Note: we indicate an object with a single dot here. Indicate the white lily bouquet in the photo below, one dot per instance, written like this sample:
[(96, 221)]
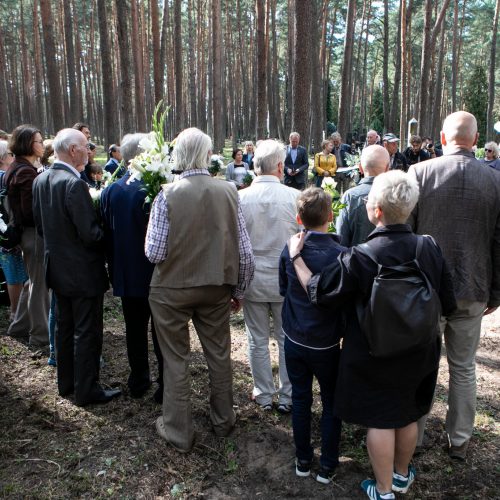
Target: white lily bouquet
[(153, 166)]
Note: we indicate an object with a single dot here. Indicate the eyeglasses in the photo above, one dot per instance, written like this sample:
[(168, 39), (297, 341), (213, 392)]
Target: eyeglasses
[(489, 150), (365, 200), (11, 153)]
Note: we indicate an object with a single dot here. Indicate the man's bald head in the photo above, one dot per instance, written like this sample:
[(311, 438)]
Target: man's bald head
[(374, 160), (460, 129), (70, 146)]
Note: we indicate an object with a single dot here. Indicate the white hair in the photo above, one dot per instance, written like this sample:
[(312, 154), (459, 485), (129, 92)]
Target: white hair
[(130, 146), (66, 138), (192, 149), (294, 134), (396, 193), (4, 147), (489, 145), (268, 155)]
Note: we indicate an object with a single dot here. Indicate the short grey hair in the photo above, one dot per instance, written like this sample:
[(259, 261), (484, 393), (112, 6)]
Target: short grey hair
[(66, 138), (130, 146), (396, 193), (192, 149), (268, 155), (336, 136), (489, 145), (294, 134), (4, 147), (375, 159)]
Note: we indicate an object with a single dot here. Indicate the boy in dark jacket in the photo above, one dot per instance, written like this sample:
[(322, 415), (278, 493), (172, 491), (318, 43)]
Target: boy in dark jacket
[(312, 337)]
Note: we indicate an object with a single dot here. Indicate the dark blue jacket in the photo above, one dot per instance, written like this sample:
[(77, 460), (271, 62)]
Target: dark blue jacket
[(125, 220), (301, 165), (344, 148), (306, 324), (112, 165)]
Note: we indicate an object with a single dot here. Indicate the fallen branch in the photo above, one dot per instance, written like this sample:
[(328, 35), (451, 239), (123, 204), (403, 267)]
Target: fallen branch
[(39, 460)]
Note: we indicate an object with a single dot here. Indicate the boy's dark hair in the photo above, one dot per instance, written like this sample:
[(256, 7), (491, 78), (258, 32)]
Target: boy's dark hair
[(313, 207), (21, 140), (80, 126)]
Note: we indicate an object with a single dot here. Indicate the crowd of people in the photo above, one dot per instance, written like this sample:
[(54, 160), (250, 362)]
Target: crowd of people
[(205, 248)]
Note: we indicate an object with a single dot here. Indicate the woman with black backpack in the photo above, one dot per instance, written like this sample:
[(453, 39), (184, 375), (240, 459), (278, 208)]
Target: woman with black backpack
[(382, 388)]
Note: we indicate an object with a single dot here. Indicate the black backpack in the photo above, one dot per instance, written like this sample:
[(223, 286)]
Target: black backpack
[(11, 237), (403, 311)]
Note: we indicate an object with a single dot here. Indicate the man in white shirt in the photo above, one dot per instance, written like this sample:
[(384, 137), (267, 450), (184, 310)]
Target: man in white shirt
[(269, 209)]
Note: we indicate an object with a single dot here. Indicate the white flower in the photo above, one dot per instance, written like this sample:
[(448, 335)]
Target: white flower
[(148, 142), (329, 182), (135, 176), (3, 226), (165, 150), (95, 194)]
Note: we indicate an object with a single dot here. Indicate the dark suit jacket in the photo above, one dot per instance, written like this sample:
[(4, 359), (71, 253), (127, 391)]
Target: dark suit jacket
[(301, 165), (344, 148), (459, 205), (125, 223), (66, 219)]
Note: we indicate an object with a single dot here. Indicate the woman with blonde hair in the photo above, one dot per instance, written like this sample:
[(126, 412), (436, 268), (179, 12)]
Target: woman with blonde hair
[(325, 163)]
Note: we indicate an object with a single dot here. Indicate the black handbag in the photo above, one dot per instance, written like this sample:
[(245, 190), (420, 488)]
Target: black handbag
[(403, 310)]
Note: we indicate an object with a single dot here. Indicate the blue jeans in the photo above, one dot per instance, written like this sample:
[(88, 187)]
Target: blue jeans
[(52, 323), (302, 365)]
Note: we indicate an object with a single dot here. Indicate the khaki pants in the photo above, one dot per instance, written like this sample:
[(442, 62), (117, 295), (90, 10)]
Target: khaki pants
[(36, 322), (258, 333), (461, 332), (208, 307)]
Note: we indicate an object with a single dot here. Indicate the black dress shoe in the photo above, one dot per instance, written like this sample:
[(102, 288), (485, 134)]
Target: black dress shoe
[(103, 397)]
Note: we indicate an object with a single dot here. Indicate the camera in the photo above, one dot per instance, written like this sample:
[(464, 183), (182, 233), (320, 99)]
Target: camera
[(430, 145)]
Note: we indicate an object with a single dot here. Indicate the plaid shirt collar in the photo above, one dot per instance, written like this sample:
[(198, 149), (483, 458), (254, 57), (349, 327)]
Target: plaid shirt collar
[(194, 171)]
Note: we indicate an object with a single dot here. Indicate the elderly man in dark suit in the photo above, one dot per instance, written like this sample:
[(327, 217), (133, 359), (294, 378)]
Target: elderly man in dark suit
[(74, 268), (296, 163), (125, 218), (459, 205)]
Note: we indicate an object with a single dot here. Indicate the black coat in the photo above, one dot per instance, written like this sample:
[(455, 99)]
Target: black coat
[(374, 392), (66, 219), (301, 166)]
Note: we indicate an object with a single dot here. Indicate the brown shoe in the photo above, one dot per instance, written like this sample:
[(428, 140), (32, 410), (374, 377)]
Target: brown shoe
[(458, 452), (160, 429)]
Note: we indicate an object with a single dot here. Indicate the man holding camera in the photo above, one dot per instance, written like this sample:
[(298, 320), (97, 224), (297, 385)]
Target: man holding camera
[(415, 153)]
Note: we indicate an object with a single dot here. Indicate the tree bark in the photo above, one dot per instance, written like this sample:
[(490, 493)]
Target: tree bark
[(490, 133), (385, 67), (109, 110), (303, 14), (260, 131), (345, 92), (74, 107), (217, 76), (179, 104), (54, 82)]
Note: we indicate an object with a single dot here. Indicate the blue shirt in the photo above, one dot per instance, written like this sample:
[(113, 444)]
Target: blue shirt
[(308, 325)]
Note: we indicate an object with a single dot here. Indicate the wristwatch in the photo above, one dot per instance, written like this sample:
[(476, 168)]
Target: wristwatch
[(295, 257)]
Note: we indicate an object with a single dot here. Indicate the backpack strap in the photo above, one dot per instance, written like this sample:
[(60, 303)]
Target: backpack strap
[(420, 242)]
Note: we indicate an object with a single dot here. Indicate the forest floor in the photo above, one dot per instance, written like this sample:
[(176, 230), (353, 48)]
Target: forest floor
[(50, 448)]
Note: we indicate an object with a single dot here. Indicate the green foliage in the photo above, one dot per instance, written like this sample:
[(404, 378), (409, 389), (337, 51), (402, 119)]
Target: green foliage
[(337, 206), (376, 118), (476, 99)]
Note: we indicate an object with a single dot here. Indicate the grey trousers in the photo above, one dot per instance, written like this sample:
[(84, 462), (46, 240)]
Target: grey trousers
[(209, 308), (257, 322), (461, 332), (32, 315)]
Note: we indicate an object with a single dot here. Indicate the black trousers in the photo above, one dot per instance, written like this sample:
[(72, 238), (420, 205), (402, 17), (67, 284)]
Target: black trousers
[(78, 346), (137, 313), (291, 181)]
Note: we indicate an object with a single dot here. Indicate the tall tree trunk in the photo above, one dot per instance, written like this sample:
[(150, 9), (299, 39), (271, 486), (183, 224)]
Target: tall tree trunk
[(74, 108), (317, 104), (491, 79), (393, 119), (435, 119), (345, 92), (261, 103), (217, 76), (304, 13), (192, 67), (428, 44), (140, 111), (55, 91), (454, 60), (4, 110), (289, 79), (109, 109), (123, 14), (26, 72), (362, 118), (385, 68), (158, 70), (179, 105)]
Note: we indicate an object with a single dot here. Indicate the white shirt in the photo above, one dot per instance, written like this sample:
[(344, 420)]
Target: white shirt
[(269, 210)]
